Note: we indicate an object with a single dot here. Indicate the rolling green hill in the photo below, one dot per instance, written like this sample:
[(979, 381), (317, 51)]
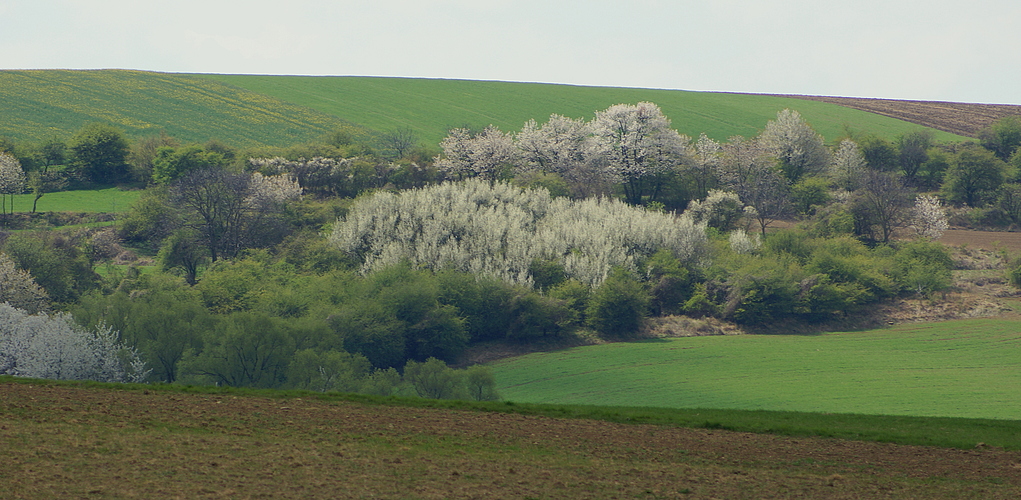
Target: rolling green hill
[(431, 107), (965, 368), (38, 105), (245, 110)]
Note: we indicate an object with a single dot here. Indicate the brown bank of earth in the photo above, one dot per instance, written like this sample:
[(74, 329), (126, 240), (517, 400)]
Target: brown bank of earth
[(66, 442)]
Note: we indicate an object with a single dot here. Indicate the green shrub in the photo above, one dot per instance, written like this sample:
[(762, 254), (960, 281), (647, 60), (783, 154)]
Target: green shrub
[(618, 306)]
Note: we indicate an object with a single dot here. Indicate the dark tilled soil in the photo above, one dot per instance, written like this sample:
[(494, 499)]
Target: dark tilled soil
[(954, 117), (60, 442)]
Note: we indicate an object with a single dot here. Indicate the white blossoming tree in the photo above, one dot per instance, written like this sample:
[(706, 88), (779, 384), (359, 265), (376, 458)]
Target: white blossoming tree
[(635, 144), (557, 146), (800, 150), (929, 217), (707, 160), (500, 230), (19, 289), (748, 169), (848, 166), (12, 179), (485, 154), (54, 347)]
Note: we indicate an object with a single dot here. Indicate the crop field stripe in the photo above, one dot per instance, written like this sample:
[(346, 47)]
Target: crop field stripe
[(969, 368), (39, 105), (432, 106)]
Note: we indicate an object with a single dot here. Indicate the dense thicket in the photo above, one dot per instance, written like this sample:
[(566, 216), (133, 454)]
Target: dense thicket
[(496, 229), (337, 266)]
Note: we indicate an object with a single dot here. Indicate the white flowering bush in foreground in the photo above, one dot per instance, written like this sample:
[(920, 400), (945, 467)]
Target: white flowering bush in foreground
[(54, 347), (497, 229)]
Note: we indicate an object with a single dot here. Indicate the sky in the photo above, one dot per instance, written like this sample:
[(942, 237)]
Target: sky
[(936, 50)]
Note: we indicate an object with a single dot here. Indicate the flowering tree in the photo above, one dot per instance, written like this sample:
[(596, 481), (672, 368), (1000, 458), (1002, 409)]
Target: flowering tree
[(635, 144), (928, 217), (706, 168), (12, 179), (500, 230), (848, 166), (19, 289), (720, 209), (485, 154), (799, 149), (748, 169), (54, 347), (557, 146)]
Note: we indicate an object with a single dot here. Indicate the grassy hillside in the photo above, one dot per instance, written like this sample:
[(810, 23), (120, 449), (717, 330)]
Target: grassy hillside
[(966, 368), (246, 110), (431, 107), (38, 105)]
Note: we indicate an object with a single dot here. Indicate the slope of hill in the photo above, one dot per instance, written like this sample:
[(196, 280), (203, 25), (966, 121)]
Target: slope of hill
[(38, 105), (963, 368), (249, 110), (953, 117), (431, 107)]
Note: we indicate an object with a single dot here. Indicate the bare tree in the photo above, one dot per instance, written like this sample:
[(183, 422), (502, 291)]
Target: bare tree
[(400, 141), (879, 207), (231, 211)]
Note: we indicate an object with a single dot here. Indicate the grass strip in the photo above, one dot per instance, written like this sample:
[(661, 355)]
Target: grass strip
[(944, 432)]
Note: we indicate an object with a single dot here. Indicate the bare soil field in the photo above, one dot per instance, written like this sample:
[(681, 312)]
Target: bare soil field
[(66, 442), (986, 240), (954, 117)]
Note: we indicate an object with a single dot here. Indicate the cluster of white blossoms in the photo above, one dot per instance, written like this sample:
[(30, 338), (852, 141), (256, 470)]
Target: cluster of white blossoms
[(496, 229), (19, 289), (54, 347), (742, 242), (929, 217), (624, 143), (275, 188)]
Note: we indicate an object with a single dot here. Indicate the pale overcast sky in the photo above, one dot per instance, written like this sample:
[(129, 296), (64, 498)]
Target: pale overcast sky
[(927, 49)]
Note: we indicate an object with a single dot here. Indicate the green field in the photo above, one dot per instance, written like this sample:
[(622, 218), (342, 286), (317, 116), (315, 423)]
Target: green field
[(243, 110), (965, 368), (109, 200), (431, 106), (43, 104)]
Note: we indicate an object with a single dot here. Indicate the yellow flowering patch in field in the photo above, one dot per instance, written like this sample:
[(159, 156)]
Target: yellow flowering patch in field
[(41, 104)]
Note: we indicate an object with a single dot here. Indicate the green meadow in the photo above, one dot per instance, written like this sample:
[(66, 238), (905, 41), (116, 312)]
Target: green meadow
[(44, 104), (963, 368), (108, 200), (430, 107), (252, 111)]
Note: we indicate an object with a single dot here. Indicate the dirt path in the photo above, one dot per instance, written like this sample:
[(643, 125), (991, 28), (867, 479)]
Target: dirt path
[(58, 442)]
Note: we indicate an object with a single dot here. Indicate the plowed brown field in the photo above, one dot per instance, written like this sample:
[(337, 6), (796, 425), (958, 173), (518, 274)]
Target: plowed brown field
[(986, 240), (64, 442), (954, 117)]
